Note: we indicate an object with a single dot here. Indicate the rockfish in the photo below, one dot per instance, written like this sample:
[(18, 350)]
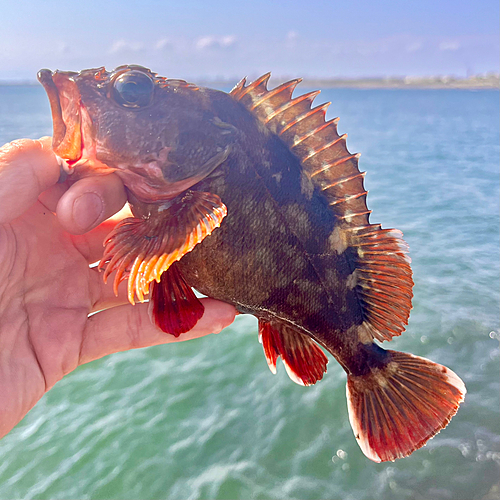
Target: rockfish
[(252, 198)]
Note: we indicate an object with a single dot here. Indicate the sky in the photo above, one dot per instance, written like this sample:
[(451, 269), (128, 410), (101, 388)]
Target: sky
[(222, 39)]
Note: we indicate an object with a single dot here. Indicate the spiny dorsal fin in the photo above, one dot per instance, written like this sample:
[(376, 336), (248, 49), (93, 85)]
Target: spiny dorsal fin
[(383, 273)]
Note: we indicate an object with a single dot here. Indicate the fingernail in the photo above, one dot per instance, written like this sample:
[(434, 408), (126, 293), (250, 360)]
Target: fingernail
[(87, 209)]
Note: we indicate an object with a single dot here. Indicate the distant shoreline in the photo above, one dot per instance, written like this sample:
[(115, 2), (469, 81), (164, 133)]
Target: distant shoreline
[(438, 82), (476, 82)]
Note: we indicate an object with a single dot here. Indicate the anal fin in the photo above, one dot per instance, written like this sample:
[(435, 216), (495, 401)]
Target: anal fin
[(304, 360), (173, 306)]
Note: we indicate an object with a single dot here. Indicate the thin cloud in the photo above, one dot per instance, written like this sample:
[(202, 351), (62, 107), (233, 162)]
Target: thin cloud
[(414, 47), (120, 46), (164, 43), (449, 45), (291, 39), (215, 42)]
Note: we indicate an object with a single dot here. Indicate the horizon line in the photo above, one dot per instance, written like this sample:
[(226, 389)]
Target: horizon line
[(490, 79)]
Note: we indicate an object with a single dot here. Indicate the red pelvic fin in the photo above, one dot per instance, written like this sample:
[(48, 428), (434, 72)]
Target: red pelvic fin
[(173, 306), (395, 410), (142, 249), (304, 360)]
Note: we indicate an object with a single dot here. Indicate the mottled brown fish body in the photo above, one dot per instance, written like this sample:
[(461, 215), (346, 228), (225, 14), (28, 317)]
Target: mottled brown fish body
[(295, 246), (273, 257)]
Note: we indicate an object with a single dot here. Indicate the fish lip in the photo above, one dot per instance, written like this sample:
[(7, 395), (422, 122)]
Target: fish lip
[(59, 128), (65, 101)]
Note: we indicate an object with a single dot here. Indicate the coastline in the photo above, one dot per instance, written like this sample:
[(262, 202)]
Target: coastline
[(474, 82), (490, 81)]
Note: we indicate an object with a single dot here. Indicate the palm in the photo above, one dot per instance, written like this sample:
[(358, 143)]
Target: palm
[(47, 290)]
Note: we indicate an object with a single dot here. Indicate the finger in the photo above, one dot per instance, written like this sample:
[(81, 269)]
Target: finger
[(103, 295), (89, 202), (129, 327), (27, 168), (91, 244)]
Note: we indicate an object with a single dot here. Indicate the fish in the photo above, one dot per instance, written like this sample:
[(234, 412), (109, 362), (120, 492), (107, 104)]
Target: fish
[(252, 197)]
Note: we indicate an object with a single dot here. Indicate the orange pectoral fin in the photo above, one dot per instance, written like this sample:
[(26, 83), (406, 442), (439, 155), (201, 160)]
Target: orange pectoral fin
[(173, 306), (143, 249), (304, 360)]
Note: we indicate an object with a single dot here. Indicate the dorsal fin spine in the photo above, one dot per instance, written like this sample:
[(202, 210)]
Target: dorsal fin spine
[(309, 96), (345, 179), (335, 163), (238, 88), (359, 214), (325, 146), (358, 228), (394, 232), (348, 198), (271, 93), (260, 81), (318, 109)]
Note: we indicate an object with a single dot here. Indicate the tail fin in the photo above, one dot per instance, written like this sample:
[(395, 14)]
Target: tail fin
[(396, 409)]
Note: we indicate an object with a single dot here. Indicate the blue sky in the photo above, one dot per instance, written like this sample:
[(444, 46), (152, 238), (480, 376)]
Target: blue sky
[(230, 39)]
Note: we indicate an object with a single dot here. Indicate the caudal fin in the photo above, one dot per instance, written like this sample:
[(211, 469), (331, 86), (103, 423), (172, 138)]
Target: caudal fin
[(396, 409)]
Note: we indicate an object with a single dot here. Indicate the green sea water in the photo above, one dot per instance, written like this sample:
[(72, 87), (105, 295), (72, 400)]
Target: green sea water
[(207, 420)]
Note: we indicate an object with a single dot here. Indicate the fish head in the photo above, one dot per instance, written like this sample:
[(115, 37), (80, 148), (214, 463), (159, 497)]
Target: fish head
[(159, 135)]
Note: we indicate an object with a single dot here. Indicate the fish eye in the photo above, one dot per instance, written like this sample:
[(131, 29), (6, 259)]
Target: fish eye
[(133, 89)]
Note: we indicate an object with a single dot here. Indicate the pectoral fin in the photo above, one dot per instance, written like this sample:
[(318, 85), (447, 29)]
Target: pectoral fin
[(142, 249)]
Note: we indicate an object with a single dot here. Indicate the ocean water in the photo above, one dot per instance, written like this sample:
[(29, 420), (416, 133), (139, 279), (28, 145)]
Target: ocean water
[(207, 420)]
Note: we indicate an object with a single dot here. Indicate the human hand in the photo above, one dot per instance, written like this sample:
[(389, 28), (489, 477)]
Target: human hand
[(49, 234)]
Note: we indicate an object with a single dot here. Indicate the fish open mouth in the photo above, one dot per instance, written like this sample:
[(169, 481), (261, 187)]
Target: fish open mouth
[(65, 104)]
